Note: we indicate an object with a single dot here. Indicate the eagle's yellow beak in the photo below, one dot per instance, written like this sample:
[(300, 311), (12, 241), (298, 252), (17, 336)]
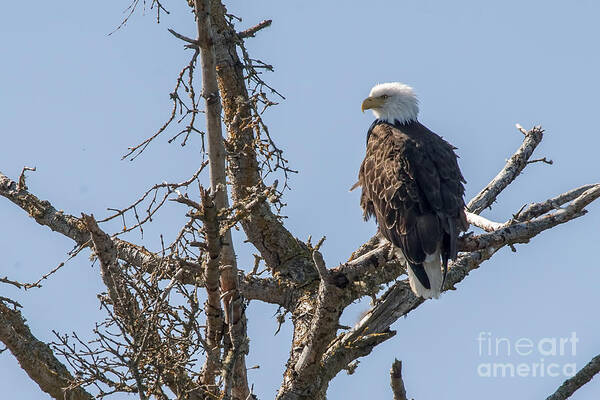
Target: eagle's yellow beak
[(371, 102)]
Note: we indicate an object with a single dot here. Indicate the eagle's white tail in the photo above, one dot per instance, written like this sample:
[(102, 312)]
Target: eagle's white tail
[(433, 269)]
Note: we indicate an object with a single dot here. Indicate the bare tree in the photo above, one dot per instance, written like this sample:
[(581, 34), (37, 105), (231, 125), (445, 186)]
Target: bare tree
[(156, 328)]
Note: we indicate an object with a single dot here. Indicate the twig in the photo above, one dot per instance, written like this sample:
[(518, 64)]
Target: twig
[(178, 103), (19, 285), (184, 38), (21, 185), (155, 203), (45, 214), (15, 303), (544, 160), (36, 284), (521, 129), (250, 32)]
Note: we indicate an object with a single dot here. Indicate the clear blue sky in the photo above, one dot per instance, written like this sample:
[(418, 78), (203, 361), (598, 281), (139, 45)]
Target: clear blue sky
[(73, 99)]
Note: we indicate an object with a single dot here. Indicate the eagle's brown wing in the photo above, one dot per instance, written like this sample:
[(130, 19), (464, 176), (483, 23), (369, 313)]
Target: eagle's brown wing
[(412, 184)]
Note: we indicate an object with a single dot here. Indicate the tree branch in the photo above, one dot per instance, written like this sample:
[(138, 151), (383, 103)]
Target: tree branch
[(72, 227), (268, 290), (250, 32), (281, 251), (122, 300), (511, 170), (522, 232), (212, 307), (396, 381), (483, 223), (37, 359), (537, 209), (265, 289), (234, 312), (323, 326), (399, 300), (583, 376)]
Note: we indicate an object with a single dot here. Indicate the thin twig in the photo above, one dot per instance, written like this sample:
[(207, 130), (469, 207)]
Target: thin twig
[(184, 38), (21, 185)]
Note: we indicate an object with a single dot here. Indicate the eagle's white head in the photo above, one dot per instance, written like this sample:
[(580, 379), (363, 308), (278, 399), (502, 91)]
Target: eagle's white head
[(392, 101)]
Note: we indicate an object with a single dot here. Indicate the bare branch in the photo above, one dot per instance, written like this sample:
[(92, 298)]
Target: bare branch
[(43, 212), (483, 223), (268, 290), (156, 202), (250, 32), (18, 285), (212, 308), (22, 184), (303, 373), (122, 300), (326, 317), (511, 170), (74, 228), (583, 376), (524, 231), (543, 160), (179, 106), (184, 38), (396, 381), (36, 358), (14, 303), (537, 209), (232, 301), (399, 300), (278, 247)]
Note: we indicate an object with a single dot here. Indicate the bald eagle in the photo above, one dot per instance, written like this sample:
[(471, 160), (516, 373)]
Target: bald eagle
[(413, 186)]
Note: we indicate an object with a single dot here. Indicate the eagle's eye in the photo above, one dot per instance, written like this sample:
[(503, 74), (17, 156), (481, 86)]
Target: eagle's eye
[(384, 96)]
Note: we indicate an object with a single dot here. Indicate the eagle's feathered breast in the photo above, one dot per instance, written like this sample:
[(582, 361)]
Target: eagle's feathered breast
[(413, 186)]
